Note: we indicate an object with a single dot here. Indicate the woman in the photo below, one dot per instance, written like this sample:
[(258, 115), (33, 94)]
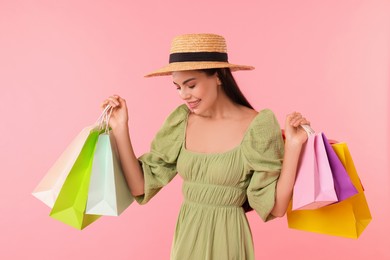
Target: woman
[(226, 152)]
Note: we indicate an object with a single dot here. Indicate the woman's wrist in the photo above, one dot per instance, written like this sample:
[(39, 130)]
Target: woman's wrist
[(120, 129), (293, 144)]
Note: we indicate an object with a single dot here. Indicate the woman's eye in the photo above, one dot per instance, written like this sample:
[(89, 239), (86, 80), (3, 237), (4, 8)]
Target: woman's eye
[(191, 87)]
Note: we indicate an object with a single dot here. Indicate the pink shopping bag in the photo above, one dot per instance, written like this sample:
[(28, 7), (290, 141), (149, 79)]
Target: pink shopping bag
[(314, 186)]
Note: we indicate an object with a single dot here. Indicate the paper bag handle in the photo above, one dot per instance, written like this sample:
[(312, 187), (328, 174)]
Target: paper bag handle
[(308, 129), (103, 121)]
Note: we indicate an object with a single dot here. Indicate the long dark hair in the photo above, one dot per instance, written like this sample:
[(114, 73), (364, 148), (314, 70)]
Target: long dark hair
[(230, 86)]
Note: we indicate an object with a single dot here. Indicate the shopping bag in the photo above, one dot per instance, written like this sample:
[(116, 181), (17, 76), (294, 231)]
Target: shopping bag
[(70, 205), (342, 183), (108, 193), (347, 218), (48, 188), (314, 186)]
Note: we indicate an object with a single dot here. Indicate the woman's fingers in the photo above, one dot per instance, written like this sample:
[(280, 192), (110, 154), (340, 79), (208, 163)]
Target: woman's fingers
[(122, 101), (296, 119), (292, 130), (300, 121), (293, 118), (113, 101)]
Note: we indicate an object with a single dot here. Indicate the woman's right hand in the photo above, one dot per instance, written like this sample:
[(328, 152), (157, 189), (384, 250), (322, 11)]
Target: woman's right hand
[(119, 116)]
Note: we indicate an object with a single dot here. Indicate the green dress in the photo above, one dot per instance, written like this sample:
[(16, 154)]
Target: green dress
[(212, 224)]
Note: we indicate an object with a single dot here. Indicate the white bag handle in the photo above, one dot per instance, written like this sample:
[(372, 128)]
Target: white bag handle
[(104, 119), (308, 129)]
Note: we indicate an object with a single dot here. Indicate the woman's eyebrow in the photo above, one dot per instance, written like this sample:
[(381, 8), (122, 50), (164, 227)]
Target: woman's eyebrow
[(184, 82)]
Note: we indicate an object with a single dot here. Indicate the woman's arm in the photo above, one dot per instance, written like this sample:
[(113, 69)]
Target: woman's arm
[(130, 164), (295, 138)]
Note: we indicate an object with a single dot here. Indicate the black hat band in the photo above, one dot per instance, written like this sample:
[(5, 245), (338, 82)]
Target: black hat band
[(198, 56)]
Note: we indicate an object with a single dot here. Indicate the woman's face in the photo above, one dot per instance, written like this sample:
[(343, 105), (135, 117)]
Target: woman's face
[(197, 89)]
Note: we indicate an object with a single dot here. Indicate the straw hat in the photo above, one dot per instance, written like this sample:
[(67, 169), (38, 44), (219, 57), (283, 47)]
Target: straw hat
[(197, 51)]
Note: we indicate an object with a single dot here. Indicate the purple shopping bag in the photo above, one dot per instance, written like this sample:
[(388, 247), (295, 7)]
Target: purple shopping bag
[(342, 183)]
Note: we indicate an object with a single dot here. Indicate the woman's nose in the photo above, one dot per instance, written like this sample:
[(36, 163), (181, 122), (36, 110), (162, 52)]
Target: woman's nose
[(184, 94)]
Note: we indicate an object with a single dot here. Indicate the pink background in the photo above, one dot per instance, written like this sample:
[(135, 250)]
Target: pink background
[(60, 59)]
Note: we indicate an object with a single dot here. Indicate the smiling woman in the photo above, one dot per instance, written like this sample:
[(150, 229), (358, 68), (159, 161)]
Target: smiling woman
[(212, 127), (226, 152)]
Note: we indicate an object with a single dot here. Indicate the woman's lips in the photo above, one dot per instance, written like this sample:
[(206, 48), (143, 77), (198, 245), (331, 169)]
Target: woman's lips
[(193, 104)]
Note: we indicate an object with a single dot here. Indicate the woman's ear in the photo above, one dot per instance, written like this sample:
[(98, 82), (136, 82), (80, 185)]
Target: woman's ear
[(218, 81)]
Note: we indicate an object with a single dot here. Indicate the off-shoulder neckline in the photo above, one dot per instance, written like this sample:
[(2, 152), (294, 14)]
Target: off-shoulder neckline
[(249, 127)]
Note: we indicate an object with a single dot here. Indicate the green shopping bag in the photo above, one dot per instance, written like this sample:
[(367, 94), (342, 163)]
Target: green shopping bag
[(71, 202)]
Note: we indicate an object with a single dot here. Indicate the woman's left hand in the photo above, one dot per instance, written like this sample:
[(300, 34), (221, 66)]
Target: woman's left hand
[(293, 132)]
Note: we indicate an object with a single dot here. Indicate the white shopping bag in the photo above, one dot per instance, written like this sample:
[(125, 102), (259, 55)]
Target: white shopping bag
[(49, 187), (108, 194)]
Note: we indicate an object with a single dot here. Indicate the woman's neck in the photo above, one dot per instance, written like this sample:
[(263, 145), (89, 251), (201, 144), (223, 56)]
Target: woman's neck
[(222, 108)]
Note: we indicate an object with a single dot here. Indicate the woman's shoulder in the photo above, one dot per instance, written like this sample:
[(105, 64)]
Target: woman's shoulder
[(263, 135), (265, 116), (173, 126), (263, 124), (248, 112), (177, 116)]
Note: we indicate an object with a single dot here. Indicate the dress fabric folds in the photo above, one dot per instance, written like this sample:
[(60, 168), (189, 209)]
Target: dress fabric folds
[(211, 223)]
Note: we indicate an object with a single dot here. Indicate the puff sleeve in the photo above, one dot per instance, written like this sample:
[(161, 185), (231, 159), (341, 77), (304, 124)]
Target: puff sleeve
[(159, 165), (263, 150)]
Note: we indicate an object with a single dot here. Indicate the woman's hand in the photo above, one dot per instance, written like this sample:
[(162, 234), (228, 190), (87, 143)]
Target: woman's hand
[(119, 116), (293, 132)]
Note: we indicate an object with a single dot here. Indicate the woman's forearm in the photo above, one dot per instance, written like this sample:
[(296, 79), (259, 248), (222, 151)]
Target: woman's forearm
[(286, 180), (130, 164)]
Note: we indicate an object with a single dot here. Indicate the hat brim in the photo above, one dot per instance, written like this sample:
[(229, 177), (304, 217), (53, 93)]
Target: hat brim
[(183, 66)]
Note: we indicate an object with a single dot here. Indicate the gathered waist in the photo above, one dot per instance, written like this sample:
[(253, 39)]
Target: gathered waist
[(206, 194)]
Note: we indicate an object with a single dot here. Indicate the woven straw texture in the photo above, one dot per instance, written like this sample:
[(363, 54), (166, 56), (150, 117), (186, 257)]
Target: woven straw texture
[(204, 42)]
